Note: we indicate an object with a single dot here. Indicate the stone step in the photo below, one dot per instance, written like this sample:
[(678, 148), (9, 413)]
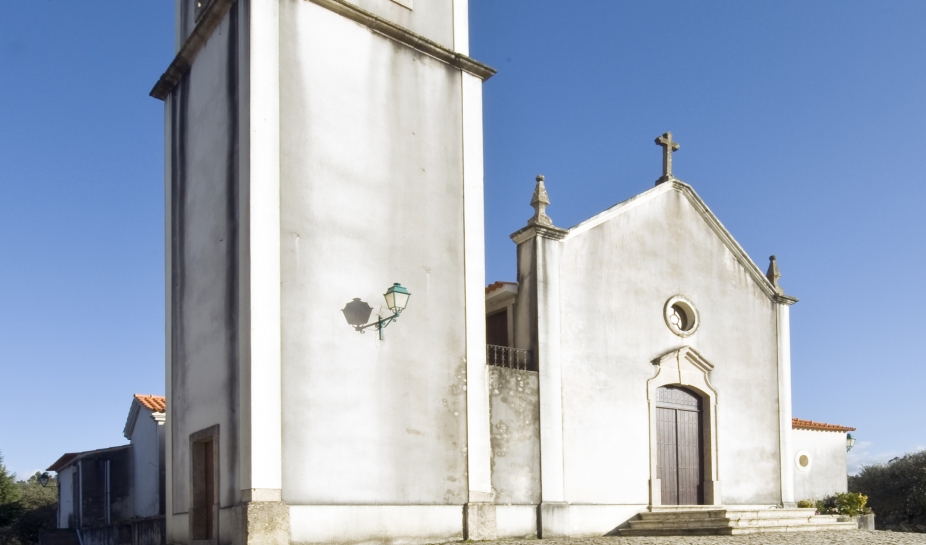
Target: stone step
[(688, 508), (719, 520), (831, 527), (725, 523), (718, 531), (716, 513)]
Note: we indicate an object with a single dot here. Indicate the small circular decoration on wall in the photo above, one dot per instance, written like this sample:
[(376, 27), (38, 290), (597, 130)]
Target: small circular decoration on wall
[(803, 461), (681, 316)]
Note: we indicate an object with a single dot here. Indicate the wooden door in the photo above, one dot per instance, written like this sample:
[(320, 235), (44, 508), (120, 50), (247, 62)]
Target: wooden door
[(679, 456)]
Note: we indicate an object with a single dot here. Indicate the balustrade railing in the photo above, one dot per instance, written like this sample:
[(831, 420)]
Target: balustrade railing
[(509, 358)]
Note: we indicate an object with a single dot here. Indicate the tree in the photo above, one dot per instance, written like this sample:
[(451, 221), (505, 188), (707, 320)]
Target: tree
[(39, 510), (26, 507), (9, 496), (896, 492)]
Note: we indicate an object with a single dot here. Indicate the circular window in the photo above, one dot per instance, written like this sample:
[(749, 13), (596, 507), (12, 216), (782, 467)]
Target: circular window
[(803, 461), (681, 316)]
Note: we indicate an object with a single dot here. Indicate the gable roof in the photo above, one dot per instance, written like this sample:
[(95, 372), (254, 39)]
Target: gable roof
[(712, 221), (798, 424), (72, 458), (152, 402), (154, 405)]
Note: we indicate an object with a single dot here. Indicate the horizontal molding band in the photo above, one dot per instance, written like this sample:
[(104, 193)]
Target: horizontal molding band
[(406, 37), (217, 9)]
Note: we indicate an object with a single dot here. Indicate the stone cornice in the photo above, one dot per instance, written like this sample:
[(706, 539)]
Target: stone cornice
[(209, 19), (531, 231), (783, 299), (406, 37), (215, 11)]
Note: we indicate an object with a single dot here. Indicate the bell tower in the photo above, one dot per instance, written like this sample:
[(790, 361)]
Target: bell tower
[(317, 152)]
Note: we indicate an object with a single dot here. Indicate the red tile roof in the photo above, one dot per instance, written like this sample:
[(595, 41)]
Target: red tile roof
[(799, 424), (154, 403), (492, 287)]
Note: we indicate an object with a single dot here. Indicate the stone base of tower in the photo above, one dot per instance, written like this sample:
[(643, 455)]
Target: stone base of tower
[(262, 523), (479, 522)]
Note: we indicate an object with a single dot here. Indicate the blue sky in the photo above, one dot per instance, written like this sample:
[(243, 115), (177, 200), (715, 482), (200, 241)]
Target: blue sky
[(800, 125)]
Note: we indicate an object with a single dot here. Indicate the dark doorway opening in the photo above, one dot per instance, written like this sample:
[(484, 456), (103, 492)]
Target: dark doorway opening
[(204, 466), (679, 456)]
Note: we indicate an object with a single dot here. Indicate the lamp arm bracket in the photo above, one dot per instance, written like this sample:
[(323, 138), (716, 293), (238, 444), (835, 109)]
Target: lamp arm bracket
[(379, 324)]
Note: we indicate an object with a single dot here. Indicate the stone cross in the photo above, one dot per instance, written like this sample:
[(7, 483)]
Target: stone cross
[(540, 201), (668, 147)]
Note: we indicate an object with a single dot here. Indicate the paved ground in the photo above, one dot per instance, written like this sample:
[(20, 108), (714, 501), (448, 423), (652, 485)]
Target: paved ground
[(796, 538)]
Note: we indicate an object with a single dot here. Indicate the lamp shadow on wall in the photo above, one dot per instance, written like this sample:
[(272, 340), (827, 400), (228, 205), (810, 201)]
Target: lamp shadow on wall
[(357, 313)]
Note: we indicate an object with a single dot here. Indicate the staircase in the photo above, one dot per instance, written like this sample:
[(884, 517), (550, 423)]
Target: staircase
[(716, 520)]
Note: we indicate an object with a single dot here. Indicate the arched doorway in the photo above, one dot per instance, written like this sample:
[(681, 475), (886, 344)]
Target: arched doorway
[(680, 454)]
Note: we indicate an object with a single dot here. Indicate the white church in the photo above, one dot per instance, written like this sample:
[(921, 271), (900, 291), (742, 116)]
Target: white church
[(322, 152)]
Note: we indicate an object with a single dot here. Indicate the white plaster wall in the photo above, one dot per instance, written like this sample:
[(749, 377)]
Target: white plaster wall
[(519, 521), (515, 418), (66, 496), (204, 233), (827, 472), (615, 279), (375, 523), (371, 194), (146, 465), (432, 19)]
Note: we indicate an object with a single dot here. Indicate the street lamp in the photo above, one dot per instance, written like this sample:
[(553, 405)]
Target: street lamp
[(358, 312), (850, 442), (43, 479)]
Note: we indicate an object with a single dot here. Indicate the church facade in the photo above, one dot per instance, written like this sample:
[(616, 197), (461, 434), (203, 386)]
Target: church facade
[(321, 152), (659, 354)]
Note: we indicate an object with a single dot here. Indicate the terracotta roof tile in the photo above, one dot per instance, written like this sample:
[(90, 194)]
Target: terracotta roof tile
[(496, 285), (799, 424), (154, 403)]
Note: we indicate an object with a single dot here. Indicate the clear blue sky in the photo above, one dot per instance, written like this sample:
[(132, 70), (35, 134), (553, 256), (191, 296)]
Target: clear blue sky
[(800, 125)]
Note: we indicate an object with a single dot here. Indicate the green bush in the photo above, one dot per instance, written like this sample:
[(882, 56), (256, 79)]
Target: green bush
[(826, 506), (847, 503), (896, 492), (851, 503)]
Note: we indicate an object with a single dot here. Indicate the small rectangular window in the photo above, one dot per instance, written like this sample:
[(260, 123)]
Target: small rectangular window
[(497, 328)]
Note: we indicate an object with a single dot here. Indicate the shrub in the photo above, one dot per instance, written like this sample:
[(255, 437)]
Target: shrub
[(851, 503), (896, 491), (847, 503), (826, 506)]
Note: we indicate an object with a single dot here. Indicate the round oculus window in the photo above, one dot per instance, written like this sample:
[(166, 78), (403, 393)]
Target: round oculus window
[(803, 461), (681, 316)]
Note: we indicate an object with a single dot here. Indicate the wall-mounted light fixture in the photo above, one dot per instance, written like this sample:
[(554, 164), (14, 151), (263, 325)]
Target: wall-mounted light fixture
[(43, 479), (358, 312), (850, 442)]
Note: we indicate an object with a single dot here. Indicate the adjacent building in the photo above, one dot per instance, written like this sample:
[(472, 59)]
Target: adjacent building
[(820, 458), (110, 495)]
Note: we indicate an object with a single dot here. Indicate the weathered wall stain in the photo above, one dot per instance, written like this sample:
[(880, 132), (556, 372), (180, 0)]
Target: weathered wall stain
[(514, 405)]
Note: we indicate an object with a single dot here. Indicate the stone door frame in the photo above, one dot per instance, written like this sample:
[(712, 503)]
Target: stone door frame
[(686, 368)]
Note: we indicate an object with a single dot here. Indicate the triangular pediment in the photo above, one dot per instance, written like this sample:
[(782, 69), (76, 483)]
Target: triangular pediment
[(709, 218)]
